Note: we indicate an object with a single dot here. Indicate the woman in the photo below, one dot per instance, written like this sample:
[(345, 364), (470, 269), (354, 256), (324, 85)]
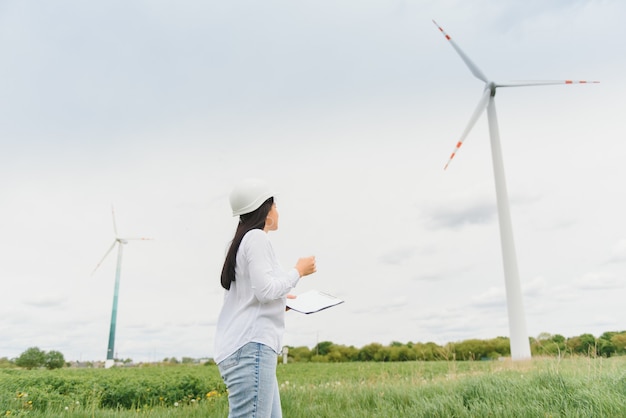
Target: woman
[(252, 321)]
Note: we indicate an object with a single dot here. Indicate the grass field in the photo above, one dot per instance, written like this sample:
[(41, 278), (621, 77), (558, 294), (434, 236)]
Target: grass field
[(573, 387)]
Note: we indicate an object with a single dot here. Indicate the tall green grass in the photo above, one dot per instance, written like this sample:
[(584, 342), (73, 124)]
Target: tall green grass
[(576, 387), (539, 388)]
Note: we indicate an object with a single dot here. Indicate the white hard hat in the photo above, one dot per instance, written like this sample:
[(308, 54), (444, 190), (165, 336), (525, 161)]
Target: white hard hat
[(248, 195)]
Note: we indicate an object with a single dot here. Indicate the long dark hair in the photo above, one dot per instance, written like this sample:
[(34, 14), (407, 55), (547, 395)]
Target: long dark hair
[(247, 222)]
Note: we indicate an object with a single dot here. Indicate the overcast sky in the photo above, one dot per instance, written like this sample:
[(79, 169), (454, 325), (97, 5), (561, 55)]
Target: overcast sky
[(350, 110)]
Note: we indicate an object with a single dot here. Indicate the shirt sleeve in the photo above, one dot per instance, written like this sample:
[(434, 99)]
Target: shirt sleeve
[(269, 281)]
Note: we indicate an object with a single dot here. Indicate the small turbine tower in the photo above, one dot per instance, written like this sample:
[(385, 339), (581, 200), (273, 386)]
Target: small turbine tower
[(120, 242), (520, 346)]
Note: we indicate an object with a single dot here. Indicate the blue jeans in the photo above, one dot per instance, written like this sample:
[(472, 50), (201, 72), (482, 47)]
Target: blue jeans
[(250, 376)]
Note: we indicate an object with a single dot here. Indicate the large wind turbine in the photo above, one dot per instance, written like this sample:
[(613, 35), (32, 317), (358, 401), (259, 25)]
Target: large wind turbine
[(120, 242), (520, 345)]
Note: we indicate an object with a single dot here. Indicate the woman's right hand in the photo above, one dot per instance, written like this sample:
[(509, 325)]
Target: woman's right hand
[(306, 266)]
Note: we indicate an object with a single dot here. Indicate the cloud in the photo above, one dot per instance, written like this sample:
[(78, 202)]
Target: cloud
[(599, 281), (429, 277), (395, 304), (45, 301), (477, 214), (484, 211), (564, 293), (494, 297), (475, 205), (604, 321), (398, 256), (618, 253), (535, 287)]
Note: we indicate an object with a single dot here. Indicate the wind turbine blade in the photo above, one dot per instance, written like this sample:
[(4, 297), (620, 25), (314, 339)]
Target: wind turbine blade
[(105, 256), (137, 239), (482, 104), (523, 83), (473, 68), (114, 223)]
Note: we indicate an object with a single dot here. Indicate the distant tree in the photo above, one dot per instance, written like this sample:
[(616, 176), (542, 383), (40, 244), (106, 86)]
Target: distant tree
[(573, 344), (607, 335), (368, 352), (54, 360), (447, 352), (544, 336), (588, 344), (384, 354), (31, 358), (5, 363), (188, 360), (350, 353), (300, 354), (334, 355), (319, 359), (606, 348), (341, 353), (426, 352), (498, 347), (322, 348), (584, 344), (619, 342), (401, 353), (470, 349), (547, 344)]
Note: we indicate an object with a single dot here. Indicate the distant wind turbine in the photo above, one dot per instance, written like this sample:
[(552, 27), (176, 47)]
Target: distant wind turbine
[(119, 241), (520, 345)]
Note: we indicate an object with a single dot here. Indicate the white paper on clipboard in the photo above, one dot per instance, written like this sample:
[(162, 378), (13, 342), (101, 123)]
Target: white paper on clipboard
[(313, 301)]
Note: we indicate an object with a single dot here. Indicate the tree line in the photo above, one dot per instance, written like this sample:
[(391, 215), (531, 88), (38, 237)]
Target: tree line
[(34, 358), (608, 344)]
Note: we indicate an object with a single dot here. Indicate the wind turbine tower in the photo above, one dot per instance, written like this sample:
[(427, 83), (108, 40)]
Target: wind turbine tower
[(520, 345), (120, 242)]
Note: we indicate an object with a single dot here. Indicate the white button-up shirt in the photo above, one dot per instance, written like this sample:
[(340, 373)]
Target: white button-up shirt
[(254, 307)]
